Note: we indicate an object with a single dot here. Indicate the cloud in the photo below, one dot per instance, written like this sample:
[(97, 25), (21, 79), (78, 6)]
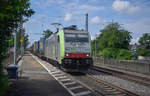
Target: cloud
[(124, 7), (91, 8), (97, 20), (75, 11), (68, 17), (55, 1), (77, 8), (138, 27)]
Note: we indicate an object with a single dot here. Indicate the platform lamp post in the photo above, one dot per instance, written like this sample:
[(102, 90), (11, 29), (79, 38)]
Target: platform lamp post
[(22, 39), (96, 35), (15, 45)]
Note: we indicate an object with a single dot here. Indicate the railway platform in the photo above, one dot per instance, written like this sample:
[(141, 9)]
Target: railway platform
[(142, 75), (34, 80)]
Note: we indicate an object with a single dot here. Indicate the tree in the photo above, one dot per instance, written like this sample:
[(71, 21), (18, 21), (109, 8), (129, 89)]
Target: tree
[(124, 54), (112, 39), (47, 33), (12, 12), (22, 35), (114, 36), (11, 42), (143, 52), (145, 39), (26, 40), (109, 53)]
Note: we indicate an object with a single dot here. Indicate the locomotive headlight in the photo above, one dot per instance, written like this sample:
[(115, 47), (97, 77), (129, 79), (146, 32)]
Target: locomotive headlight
[(87, 54), (67, 54)]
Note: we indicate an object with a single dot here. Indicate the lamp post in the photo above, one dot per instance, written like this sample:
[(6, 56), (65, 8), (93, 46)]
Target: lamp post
[(22, 38), (96, 35), (15, 44)]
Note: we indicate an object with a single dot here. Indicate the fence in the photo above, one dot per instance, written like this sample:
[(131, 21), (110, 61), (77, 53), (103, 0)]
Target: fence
[(129, 65)]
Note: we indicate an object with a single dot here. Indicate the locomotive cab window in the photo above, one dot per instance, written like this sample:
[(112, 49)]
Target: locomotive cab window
[(76, 38)]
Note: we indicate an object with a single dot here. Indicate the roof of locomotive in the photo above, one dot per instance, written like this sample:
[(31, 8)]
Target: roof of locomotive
[(65, 30), (74, 31)]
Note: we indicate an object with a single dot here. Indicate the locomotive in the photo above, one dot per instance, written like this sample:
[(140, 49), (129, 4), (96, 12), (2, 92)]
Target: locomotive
[(69, 48)]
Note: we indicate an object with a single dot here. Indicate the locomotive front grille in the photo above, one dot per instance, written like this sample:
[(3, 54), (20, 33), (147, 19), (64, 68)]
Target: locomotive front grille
[(74, 63)]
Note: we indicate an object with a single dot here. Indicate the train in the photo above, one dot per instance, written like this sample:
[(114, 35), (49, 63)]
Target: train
[(69, 49)]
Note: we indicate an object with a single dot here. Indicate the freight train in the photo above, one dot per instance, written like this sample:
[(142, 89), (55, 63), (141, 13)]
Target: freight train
[(69, 48)]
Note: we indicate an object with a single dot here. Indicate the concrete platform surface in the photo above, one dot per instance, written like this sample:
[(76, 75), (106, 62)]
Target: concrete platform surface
[(35, 81)]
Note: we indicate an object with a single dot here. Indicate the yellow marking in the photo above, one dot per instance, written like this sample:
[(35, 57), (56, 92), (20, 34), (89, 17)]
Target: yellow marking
[(21, 40)]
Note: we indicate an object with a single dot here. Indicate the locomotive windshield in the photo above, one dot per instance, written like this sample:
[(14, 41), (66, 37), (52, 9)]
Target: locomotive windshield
[(76, 38)]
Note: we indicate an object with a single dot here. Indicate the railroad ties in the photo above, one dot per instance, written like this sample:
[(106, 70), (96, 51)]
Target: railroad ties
[(110, 89), (73, 87)]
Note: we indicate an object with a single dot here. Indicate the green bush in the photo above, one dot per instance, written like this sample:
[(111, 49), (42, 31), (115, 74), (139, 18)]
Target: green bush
[(143, 52), (124, 54), (109, 53)]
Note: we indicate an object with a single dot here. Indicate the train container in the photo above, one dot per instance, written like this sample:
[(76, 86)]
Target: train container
[(41, 46), (36, 47)]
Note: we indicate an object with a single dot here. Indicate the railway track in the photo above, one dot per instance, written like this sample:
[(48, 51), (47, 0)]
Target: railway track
[(100, 87), (137, 79), (110, 89), (84, 85)]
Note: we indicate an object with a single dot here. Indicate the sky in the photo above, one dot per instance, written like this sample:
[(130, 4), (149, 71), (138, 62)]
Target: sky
[(133, 15)]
